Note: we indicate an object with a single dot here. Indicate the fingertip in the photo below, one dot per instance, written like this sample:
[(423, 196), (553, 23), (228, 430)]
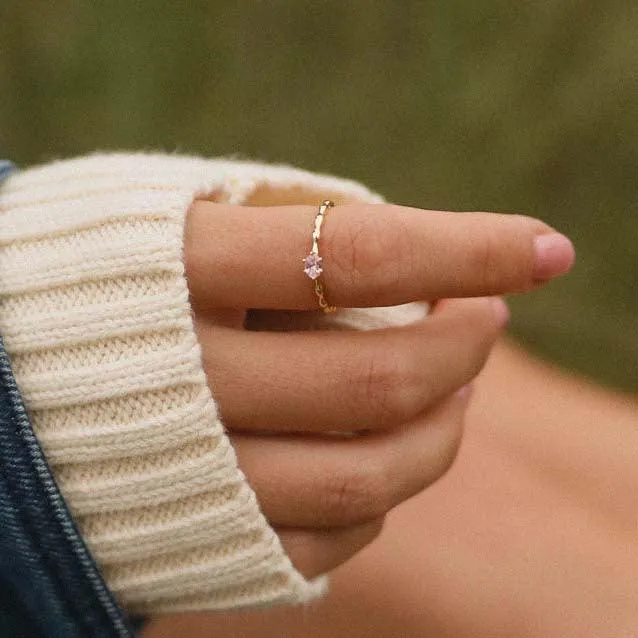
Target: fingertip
[(437, 306), (465, 393), (496, 306), (500, 310), (554, 255)]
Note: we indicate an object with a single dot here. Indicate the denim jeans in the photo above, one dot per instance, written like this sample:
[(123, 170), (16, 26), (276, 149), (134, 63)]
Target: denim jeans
[(6, 168), (50, 586)]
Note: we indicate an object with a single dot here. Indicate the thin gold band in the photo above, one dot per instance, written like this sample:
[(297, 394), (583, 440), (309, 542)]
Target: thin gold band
[(313, 263)]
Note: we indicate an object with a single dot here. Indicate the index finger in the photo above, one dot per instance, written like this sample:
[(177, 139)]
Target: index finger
[(373, 255)]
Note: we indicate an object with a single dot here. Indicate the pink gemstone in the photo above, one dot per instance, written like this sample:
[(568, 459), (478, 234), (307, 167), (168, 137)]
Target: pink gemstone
[(312, 265)]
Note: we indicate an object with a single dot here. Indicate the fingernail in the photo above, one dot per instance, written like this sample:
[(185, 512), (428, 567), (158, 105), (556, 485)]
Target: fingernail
[(438, 305), (554, 256), (465, 391), (501, 311)]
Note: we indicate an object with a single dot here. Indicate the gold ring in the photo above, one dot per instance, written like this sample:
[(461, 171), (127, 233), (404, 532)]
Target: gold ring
[(313, 263)]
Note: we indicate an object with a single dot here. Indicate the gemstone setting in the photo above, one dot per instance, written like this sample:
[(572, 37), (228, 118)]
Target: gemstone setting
[(313, 265)]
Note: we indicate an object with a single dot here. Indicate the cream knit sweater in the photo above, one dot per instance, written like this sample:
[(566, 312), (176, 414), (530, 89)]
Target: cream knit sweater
[(95, 314)]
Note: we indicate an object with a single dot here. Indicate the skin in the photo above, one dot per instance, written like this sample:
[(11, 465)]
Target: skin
[(531, 533), (397, 388)]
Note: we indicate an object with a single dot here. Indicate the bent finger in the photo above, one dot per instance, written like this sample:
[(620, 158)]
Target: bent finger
[(327, 380), (326, 482), (315, 552)]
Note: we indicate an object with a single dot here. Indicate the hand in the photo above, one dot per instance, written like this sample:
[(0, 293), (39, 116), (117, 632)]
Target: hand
[(531, 534), (327, 496)]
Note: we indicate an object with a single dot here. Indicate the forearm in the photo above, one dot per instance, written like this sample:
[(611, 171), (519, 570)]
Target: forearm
[(581, 435), (531, 533)]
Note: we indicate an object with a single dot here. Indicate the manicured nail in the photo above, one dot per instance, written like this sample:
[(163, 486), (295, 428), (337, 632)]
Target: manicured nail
[(554, 256), (501, 311), (438, 305), (465, 391)]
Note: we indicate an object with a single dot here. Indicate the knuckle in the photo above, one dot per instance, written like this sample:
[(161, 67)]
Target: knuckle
[(376, 526), (485, 337), (368, 532), (367, 247), (488, 262), (450, 444), (475, 334), (355, 493), (391, 386), (444, 439), (476, 358)]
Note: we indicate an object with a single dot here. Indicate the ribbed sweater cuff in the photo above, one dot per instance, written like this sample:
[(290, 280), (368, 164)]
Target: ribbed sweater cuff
[(95, 315)]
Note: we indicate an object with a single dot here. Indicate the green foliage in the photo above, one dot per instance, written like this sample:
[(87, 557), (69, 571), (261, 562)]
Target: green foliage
[(492, 105)]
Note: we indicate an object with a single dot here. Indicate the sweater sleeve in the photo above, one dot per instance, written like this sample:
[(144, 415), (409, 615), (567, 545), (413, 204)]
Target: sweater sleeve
[(95, 314)]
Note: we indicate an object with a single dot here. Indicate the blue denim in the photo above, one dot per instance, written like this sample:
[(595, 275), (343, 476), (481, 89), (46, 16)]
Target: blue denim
[(50, 586), (6, 168)]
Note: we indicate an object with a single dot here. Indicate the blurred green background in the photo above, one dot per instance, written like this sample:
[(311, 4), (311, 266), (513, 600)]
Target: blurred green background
[(468, 105)]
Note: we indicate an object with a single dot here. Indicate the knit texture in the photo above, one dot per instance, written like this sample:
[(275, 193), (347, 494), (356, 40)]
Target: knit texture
[(95, 314)]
